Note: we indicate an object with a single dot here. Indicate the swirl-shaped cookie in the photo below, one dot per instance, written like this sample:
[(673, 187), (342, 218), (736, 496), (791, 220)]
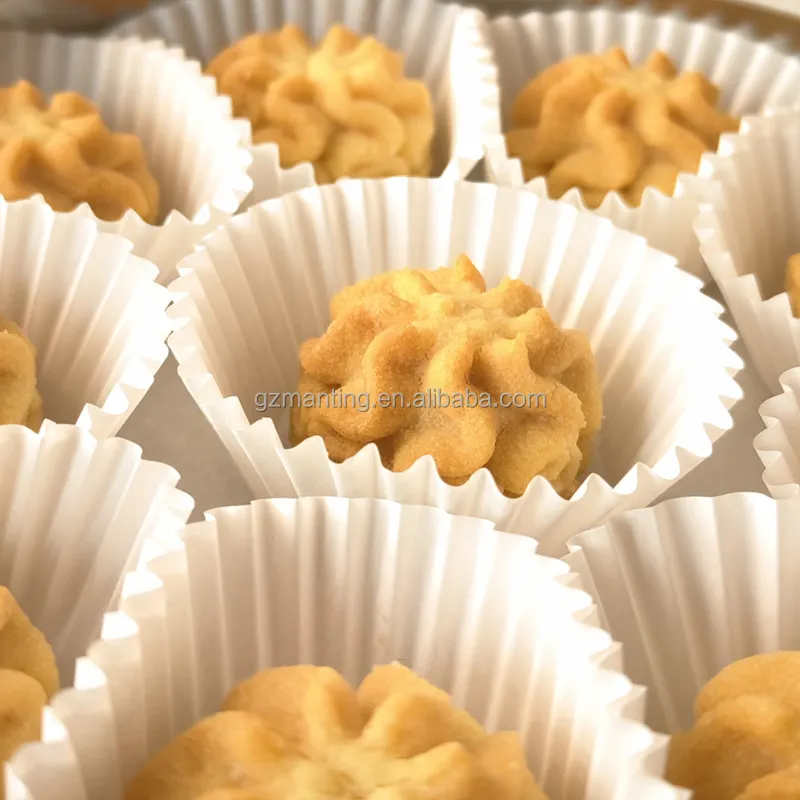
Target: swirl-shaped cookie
[(745, 743), (64, 152), (343, 105), (302, 732), (430, 363), (597, 123), (20, 401)]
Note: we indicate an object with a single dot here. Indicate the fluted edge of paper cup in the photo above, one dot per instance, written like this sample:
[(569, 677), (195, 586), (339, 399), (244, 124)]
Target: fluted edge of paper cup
[(271, 470), (111, 669), (98, 503), (694, 44), (432, 36), (51, 270), (691, 585), (765, 322), (778, 446), (119, 75)]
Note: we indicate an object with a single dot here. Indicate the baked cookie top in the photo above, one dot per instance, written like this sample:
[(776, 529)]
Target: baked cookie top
[(20, 401), (63, 151), (745, 743), (303, 732), (344, 104), (598, 123), (471, 377)]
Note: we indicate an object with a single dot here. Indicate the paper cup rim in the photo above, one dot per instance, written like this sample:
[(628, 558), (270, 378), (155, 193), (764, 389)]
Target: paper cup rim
[(229, 196), (510, 169), (623, 712), (198, 379), (104, 421), (767, 443)]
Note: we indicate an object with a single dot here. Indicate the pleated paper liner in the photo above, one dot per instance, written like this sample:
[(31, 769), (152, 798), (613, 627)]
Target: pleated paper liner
[(428, 33), (748, 229), (692, 585), (258, 288), (753, 75), (74, 514), (196, 151), (778, 446), (350, 584), (93, 311)]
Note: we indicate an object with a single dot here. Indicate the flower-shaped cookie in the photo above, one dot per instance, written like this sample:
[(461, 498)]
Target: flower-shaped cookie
[(793, 283), (28, 677), (430, 363), (302, 732), (596, 122), (64, 152), (20, 401), (745, 744), (344, 105)]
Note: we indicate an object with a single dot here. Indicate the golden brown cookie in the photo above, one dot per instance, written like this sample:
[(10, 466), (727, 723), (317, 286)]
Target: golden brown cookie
[(64, 151), (745, 744), (431, 363), (600, 124), (793, 283), (344, 105), (303, 732), (28, 677), (20, 401)]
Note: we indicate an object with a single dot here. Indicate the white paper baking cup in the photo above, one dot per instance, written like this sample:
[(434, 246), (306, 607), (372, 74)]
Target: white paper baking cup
[(260, 287), (350, 584), (752, 75), (778, 446), (692, 585), (197, 152), (428, 33), (748, 229), (94, 312), (74, 514)]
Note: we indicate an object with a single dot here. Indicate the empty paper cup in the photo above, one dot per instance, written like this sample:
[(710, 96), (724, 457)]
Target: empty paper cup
[(350, 584), (260, 287), (93, 311), (427, 33), (197, 153), (752, 76)]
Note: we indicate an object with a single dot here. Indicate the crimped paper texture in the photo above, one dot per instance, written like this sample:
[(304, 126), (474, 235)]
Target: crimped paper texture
[(196, 151), (351, 584), (74, 514), (256, 290), (747, 231), (751, 74), (778, 446), (692, 585), (93, 311), (428, 33)]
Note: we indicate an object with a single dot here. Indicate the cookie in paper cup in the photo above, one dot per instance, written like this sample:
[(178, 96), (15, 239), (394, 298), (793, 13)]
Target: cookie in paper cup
[(196, 152), (752, 76), (689, 587), (93, 312), (777, 446), (748, 232), (350, 584), (428, 34), (257, 289)]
